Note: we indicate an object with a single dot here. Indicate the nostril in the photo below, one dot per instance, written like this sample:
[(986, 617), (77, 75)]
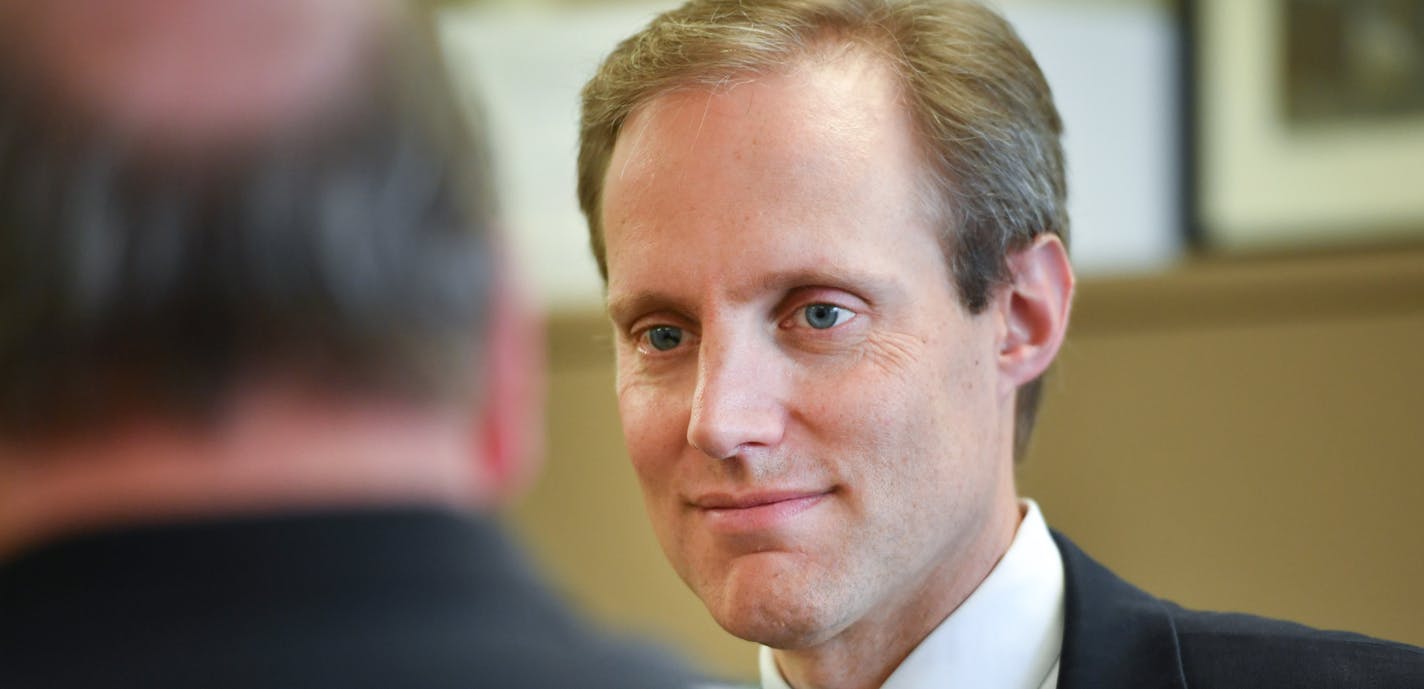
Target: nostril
[(735, 404), (714, 434), (726, 431)]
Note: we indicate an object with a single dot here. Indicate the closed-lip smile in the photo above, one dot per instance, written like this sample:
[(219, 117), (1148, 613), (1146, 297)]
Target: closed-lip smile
[(756, 510)]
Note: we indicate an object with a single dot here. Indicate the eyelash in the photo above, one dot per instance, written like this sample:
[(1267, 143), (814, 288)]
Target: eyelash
[(798, 317)]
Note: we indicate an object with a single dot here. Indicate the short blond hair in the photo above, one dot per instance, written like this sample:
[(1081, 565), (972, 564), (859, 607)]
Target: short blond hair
[(985, 114)]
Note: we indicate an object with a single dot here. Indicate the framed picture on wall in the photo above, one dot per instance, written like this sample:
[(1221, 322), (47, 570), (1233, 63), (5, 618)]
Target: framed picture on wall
[(1308, 122)]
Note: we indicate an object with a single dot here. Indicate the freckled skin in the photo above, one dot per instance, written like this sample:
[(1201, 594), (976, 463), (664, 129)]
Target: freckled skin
[(712, 200)]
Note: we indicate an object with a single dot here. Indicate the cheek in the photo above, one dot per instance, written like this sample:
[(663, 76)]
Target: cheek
[(914, 423), (872, 427), (654, 431)]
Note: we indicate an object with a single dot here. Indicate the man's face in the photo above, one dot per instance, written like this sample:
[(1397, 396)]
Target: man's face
[(818, 425)]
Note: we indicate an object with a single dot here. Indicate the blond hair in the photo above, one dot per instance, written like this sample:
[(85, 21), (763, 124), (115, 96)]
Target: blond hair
[(993, 161)]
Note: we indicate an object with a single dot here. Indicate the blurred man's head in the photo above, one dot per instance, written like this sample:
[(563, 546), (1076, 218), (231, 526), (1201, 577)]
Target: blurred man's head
[(218, 218), (833, 237)]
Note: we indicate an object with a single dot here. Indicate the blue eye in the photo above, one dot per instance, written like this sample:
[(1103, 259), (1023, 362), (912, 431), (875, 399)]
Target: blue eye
[(664, 337), (824, 316)]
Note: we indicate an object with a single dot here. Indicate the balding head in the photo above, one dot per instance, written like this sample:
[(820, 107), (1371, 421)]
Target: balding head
[(194, 193), (192, 71)]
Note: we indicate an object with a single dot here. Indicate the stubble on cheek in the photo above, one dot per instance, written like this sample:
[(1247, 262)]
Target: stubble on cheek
[(902, 468)]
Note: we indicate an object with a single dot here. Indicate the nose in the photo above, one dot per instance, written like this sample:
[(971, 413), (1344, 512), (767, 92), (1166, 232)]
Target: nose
[(736, 405)]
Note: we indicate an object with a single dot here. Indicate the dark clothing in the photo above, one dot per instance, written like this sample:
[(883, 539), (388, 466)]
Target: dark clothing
[(397, 599), (1117, 636)]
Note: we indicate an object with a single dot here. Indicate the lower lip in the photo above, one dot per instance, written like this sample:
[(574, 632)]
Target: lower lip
[(760, 517)]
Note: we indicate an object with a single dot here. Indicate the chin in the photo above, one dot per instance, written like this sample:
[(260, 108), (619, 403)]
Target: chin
[(775, 604)]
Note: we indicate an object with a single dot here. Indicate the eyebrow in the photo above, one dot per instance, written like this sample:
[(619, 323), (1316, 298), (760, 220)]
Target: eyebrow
[(625, 308), (870, 287)]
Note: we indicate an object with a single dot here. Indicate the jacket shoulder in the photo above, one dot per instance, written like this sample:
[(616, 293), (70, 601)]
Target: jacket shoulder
[(1116, 635), (1232, 649)]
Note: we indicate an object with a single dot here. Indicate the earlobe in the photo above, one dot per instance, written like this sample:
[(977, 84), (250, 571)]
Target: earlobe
[(1035, 307)]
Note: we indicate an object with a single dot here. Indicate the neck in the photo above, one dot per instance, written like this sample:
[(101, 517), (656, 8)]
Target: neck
[(866, 653), (277, 451)]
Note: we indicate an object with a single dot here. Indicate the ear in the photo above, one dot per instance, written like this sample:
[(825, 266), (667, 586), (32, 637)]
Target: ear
[(509, 427), (1034, 308)]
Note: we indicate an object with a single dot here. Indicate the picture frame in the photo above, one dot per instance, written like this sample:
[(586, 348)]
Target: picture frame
[(1306, 123)]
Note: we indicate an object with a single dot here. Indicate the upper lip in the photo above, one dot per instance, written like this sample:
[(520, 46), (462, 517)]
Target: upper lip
[(731, 501)]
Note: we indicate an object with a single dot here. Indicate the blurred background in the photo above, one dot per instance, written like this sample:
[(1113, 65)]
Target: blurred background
[(1237, 420)]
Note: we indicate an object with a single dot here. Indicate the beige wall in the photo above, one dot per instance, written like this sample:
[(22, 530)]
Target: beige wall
[(1239, 435)]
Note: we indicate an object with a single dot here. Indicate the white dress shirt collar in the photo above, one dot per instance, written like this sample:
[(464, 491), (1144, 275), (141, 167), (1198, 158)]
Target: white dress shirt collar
[(1005, 635)]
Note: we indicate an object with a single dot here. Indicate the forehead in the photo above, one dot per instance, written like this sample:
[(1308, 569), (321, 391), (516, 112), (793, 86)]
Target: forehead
[(797, 170), (827, 113)]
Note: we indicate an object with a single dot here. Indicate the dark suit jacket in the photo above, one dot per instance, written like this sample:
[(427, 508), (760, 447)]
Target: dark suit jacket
[(1117, 636), (399, 599)]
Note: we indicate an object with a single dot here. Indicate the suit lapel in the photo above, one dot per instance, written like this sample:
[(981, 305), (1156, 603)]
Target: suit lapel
[(1114, 634)]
